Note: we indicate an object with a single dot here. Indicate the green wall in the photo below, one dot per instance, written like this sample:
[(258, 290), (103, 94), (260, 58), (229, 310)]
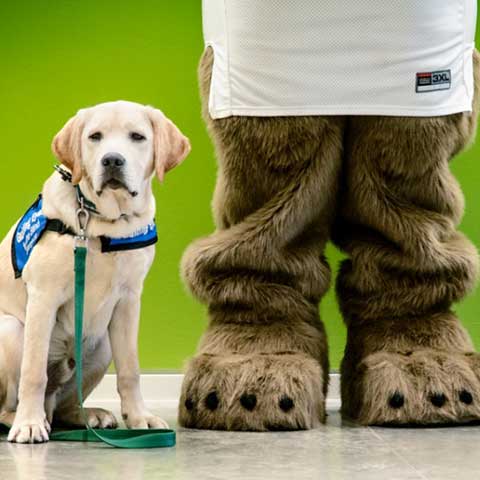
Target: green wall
[(58, 56)]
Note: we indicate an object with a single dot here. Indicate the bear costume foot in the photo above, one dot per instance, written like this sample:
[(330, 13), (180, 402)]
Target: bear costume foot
[(422, 387), (256, 392)]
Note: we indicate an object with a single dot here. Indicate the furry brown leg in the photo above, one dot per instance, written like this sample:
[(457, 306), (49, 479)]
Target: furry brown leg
[(408, 359), (262, 364)]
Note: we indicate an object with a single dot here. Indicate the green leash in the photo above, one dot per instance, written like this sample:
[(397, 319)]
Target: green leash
[(120, 438)]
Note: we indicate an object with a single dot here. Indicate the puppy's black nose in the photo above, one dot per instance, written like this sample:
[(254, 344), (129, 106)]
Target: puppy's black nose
[(113, 160)]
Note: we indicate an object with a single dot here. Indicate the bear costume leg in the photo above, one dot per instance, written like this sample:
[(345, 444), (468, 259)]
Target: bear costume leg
[(408, 360), (262, 364)]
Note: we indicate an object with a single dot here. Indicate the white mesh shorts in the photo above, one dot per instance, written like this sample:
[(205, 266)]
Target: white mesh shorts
[(340, 57)]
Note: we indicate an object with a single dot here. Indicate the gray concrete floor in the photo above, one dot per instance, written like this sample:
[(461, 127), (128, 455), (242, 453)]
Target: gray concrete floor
[(334, 451)]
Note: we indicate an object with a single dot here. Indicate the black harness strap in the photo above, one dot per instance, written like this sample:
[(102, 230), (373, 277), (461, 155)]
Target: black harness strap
[(55, 225)]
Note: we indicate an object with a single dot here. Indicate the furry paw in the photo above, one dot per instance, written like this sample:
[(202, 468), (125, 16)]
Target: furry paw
[(33, 429), (96, 418), (259, 392), (423, 387)]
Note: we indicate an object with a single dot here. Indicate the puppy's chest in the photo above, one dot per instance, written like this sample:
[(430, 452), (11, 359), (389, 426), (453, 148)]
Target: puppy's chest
[(108, 278)]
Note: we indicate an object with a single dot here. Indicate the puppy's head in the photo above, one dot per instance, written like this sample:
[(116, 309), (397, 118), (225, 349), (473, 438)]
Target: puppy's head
[(119, 145)]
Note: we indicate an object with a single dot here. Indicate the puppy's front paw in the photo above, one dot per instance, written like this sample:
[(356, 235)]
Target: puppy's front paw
[(95, 417), (34, 429), (143, 420)]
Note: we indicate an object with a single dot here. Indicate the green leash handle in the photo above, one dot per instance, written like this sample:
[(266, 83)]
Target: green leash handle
[(120, 438)]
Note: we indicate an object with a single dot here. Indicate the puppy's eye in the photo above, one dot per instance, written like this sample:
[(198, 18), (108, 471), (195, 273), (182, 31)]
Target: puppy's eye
[(96, 137), (137, 137)]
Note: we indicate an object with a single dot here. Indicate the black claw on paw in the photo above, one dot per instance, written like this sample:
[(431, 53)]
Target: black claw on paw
[(396, 400), (286, 403), (465, 397), (438, 399), (248, 401), (211, 401), (189, 404)]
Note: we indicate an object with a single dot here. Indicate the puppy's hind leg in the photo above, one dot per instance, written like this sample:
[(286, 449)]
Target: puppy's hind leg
[(67, 412), (11, 348)]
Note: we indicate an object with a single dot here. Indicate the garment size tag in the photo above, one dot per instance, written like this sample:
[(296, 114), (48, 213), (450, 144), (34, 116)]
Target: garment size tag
[(434, 81)]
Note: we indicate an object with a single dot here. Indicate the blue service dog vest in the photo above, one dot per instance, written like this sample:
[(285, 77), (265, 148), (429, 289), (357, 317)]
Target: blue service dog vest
[(34, 223)]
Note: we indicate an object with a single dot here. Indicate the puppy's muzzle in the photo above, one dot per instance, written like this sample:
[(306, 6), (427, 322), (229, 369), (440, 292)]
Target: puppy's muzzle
[(113, 171)]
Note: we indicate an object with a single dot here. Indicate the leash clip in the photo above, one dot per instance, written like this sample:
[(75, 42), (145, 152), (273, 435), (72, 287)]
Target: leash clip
[(83, 216)]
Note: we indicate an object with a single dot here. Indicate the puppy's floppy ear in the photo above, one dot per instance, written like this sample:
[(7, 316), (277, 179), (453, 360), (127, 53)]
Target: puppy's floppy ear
[(66, 146), (169, 144)]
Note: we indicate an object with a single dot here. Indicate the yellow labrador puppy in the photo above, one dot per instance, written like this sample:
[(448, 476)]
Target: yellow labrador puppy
[(111, 153)]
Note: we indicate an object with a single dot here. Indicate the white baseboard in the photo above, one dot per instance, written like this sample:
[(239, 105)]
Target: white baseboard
[(162, 390)]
